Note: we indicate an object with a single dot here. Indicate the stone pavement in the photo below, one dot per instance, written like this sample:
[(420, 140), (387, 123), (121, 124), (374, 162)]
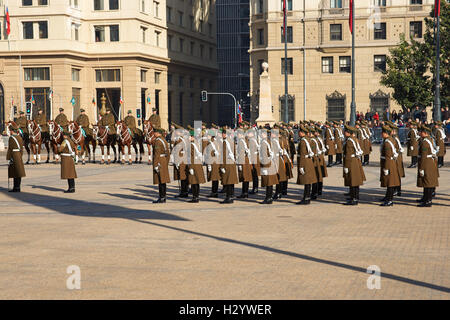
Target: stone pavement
[(128, 248)]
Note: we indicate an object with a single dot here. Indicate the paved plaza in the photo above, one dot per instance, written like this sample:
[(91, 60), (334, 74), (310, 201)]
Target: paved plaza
[(128, 248)]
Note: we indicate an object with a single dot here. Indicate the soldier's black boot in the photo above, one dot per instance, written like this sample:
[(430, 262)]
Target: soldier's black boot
[(338, 158), (330, 161), (284, 188), (354, 197), (71, 183), (315, 190), (398, 192), (277, 194), (306, 195), (427, 198), (162, 194), (214, 190), (366, 159), (319, 192), (195, 193), (440, 162), (388, 199), (16, 187), (184, 189), (269, 195), (244, 194), (255, 184), (229, 194)]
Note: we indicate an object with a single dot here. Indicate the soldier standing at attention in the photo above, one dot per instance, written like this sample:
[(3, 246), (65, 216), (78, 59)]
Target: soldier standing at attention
[(389, 174), (161, 153), (268, 167), (61, 120), (440, 141), (41, 120), (427, 171), (83, 122), (67, 152), (368, 143), (195, 168), (330, 144), (16, 169), (243, 162), (399, 149), (353, 171), (212, 162), (317, 170), (23, 125), (154, 119), (228, 167), (278, 153), (254, 159), (413, 144), (306, 172), (339, 140), (180, 147), (322, 163)]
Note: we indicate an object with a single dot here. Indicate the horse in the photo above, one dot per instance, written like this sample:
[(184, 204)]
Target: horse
[(25, 137), (56, 138), (36, 141), (149, 138), (105, 139), (125, 140), (79, 139)]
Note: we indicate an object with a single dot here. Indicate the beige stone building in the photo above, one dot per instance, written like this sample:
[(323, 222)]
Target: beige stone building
[(319, 53), (68, 53)]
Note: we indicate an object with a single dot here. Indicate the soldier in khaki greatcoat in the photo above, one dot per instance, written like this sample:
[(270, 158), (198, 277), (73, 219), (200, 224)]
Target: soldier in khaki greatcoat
[(228, 170), (440, 141), (196, 176), (254, 158), (16, 169), (306, 173), (83, 122), (23, 125), (67, 151), (61, 120), (413, 144), (155, 119), (329, 143), (212, 159), (353, 171), (243, 163), (268, 166), (399, 149), (389, 173), (427, 170), (339, 140), (41, 120), (161, 154), (322, 163)]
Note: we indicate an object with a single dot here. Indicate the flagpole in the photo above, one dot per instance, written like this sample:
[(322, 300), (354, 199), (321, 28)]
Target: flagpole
[(353, 105), (437, 102), (286, 118)]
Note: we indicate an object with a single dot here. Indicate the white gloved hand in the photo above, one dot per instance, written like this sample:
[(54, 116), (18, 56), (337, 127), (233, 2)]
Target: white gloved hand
[(385, 172), (10, 162), (411, 148), (191, 171), (157, 169), (346, 170), (422, 173), (302, 171), (264, 172), (240, 168), (209, 167), (215, 153), (328, 147), (222, 170)]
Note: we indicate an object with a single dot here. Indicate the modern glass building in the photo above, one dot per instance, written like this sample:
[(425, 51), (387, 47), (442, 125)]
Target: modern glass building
[(233, 43)]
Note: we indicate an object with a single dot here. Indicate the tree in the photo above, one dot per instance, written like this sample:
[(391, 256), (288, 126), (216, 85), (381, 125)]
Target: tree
[(406, 75), (411, 66)]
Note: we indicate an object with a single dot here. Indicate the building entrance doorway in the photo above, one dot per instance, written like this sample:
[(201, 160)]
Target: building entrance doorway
[(112, 96)]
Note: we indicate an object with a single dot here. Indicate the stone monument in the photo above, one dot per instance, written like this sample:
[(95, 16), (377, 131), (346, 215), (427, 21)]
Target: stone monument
[(265, 98)]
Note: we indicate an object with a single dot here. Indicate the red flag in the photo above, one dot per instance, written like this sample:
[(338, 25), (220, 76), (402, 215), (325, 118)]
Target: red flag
[(284, 18), (8, 22), (437, 8), (350, 18)]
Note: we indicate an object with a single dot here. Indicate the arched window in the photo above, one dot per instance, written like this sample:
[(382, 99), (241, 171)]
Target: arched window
[(379, 101), (336, 103)]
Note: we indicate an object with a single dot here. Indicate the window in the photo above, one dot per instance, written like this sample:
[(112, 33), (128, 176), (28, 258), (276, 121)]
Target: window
[(99, 5), (260, 36), (143, 75), (335, 4), (169, 42), (291, 107), (114, 33), (157, 37), (191, 83), (380, 31), (288, 5), (210, 29), (42, 2), (27, 2), (289, 66), (211, 53), (157, 77), (75, 31), (180, 18), (380, 3), (113, 4), (327, 65), (288, 33), (192, 47), (345, 64), (379, 101), (37, 74), (416, 1), (169, 14), (156, 8), (107, 75), (74, 3), (336, 107), (75, 74), (260, 6), (28, 30), (99, 33), (202, 50), (43, 30), (143, 34), (202, 84), (181, 45), (379, 62), (181, 81), (415, 29), (260, 68), (335, 32), (200, 26), (191, 22)]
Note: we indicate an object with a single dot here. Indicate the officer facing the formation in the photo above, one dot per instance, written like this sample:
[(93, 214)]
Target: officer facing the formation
[(154, 119), (23, 125), (389, 174), (62, 120), (427, 171), (440, 141), (67, 151), (41, 120), (161, 153), (353, 171), (83, 122), (413, 144), (195, 168), (305, 170), (16, 169), (130, 122)]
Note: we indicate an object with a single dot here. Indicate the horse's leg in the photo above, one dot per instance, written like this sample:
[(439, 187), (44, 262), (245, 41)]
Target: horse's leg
[(141, 150), (149, 149), (47, 147), (121, 150), (94, 146), (113, 146), (83, 151), (28, 152), (33, 149), (129, 153), (102, 148), (135, 147)]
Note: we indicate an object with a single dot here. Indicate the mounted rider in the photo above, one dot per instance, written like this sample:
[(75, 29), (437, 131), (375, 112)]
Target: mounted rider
[(41, 120), (61, 120), (23, 126), (108, 122), (130, 121), (83, 122), (155, 119)]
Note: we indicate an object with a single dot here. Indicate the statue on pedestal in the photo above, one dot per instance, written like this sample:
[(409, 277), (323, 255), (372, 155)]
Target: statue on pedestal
[(265, 98), (103, 104)]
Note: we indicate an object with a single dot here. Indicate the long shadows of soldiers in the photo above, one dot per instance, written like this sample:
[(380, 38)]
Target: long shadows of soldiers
[(83, 208)]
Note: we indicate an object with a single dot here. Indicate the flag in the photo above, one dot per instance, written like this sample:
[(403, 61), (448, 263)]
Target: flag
[(437, 8), (72, 101), (8, 22), (50, 94), (284, 18), (149, 100), (32, 99), (350, 18), (121, 100), (93, 101), (239, 112)]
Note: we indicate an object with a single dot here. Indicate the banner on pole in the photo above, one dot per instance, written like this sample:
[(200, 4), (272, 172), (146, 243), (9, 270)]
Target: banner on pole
[(350, 18)]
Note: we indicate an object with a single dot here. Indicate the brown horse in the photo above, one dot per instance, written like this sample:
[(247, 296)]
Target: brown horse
[(125, 140), (36, 141), (25, 137), (105, 138), (79, 139), (149, 138), (56, 138)]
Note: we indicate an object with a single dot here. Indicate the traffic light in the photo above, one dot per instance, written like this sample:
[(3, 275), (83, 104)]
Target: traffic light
[(28, 108), (204, 96), (138, 113)]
